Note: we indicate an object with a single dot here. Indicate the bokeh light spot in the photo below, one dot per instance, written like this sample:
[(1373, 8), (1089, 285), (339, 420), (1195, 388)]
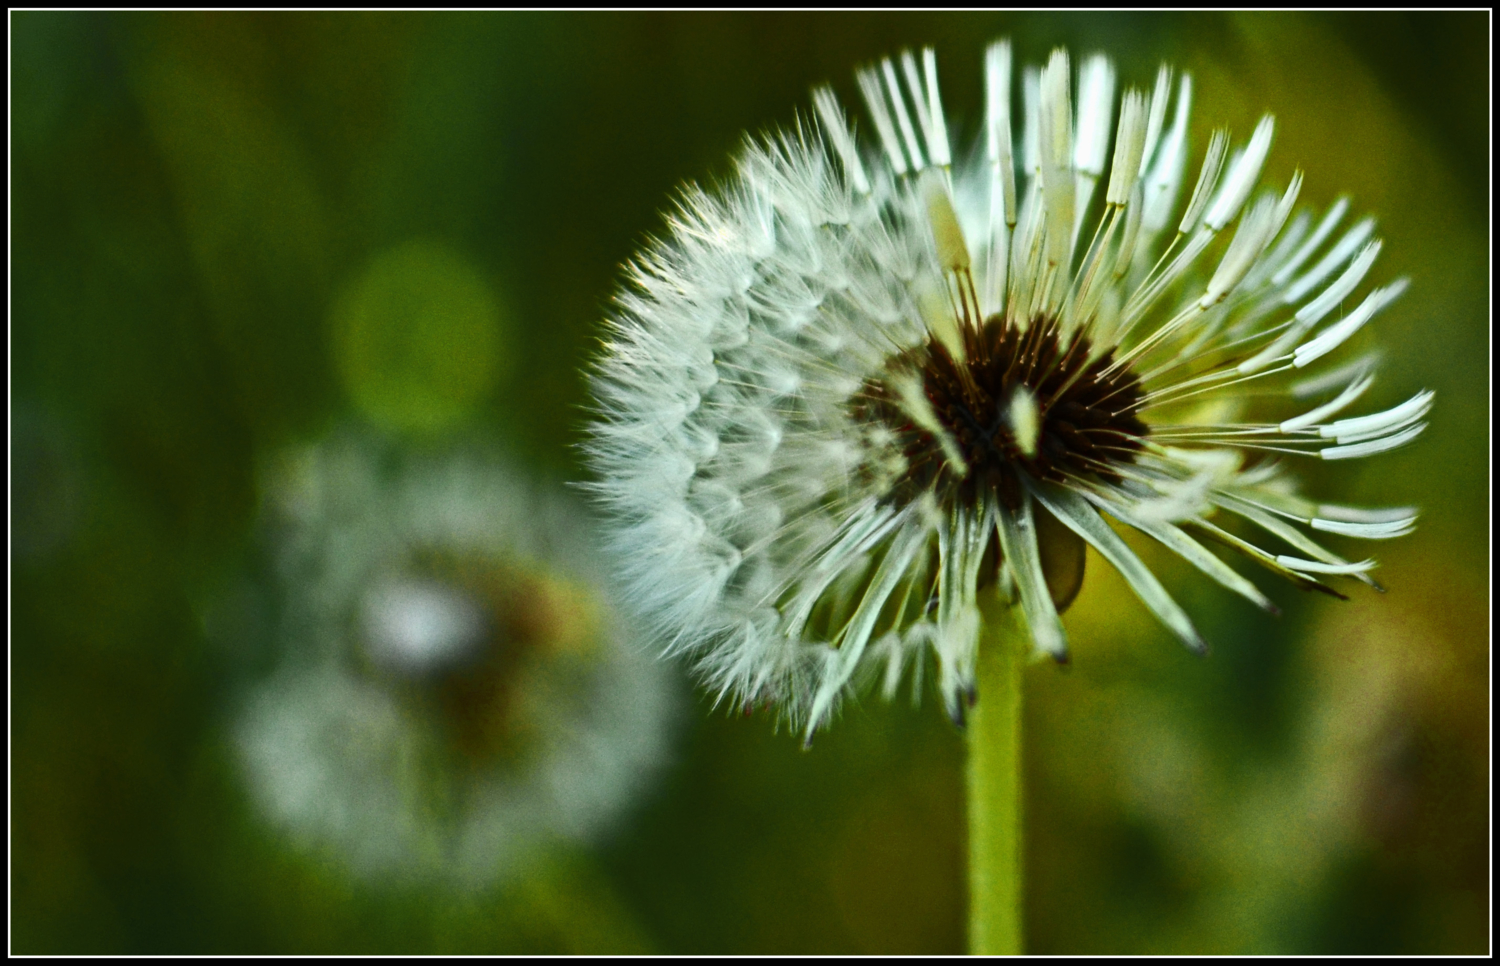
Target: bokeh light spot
[(416, 338)]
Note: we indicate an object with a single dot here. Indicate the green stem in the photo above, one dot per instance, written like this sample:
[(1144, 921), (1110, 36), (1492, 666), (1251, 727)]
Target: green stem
[(994, 780)]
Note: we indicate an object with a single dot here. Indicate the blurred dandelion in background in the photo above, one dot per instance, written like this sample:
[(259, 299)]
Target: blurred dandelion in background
[(456, 690)]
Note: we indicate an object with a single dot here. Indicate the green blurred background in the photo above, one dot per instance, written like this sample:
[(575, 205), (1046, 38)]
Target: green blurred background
[(218, 220)]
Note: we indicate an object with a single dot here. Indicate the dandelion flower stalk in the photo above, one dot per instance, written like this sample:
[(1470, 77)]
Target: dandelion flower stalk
[(993, 776), (872, 392)]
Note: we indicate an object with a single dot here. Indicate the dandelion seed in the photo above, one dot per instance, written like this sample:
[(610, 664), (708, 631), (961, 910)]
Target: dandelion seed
[(859, 387)]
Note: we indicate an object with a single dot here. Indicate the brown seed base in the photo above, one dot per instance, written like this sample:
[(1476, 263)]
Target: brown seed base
[(1087, 414)]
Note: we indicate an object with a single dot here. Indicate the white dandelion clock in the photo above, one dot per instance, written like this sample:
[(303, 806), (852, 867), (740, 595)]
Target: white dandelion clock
[(873, 379), (457, 690)]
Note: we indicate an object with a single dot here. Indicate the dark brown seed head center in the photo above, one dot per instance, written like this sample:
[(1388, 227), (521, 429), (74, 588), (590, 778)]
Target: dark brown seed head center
[(1086, 423)]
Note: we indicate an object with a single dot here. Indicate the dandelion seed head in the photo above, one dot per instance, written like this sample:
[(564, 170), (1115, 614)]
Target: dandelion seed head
[(456, 689), (864, 384)]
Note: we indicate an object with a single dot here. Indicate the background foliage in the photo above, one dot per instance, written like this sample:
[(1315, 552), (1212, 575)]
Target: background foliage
[(232, 232)]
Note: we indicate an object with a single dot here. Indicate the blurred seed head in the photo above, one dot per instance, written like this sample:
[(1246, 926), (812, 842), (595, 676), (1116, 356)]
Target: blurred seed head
[(455, 689)]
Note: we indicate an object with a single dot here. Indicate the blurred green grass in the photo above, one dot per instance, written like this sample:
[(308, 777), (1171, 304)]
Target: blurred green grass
[(192, 193)]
